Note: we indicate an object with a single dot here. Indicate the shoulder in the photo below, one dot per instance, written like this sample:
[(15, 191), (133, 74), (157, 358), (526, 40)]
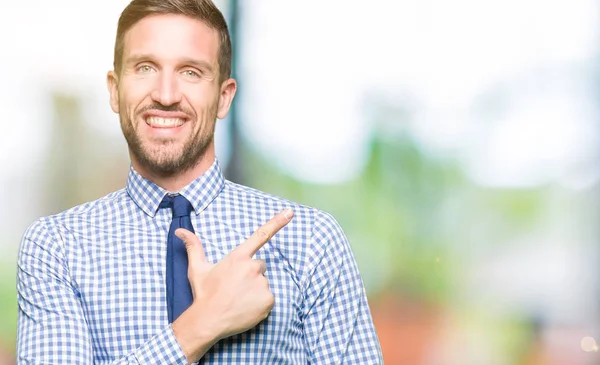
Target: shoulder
[(103, 206), (246, 194), (315, 220), (250, 199)]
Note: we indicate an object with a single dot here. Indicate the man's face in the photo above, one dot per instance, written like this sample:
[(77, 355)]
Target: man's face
[(168, 93)]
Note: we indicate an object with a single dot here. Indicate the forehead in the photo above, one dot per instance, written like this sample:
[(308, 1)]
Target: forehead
[(171, 37)]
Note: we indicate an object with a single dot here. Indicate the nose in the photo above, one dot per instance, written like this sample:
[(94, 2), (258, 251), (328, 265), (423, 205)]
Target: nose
[(167, 90)]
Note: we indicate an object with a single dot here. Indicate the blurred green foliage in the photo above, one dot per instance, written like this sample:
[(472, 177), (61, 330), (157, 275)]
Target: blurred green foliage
[(412, 218), (8, 305), (391, 214)]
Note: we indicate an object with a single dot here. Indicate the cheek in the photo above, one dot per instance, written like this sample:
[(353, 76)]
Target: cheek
[(134, 94), (202, 98)]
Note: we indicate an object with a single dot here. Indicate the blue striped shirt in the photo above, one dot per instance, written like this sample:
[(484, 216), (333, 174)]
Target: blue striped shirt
[(91, 281)]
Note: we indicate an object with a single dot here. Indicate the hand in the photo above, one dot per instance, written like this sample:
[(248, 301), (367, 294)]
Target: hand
[(231, 296)]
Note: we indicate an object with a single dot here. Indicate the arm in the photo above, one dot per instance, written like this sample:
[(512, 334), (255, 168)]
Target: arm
[(338, 324), (52, 327)]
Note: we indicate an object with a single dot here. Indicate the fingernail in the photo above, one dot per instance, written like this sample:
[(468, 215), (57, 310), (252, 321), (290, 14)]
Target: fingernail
[(288, 213)]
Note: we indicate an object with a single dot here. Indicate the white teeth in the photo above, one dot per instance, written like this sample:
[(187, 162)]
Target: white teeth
[(164, 122)]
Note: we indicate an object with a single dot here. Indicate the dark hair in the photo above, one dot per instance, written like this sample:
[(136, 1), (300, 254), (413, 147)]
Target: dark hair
[(203, 10)]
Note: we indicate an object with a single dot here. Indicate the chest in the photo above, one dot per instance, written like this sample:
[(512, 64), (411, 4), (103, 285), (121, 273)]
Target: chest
[(119, 273)]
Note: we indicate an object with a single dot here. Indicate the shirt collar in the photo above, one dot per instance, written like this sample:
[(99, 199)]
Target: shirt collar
[(200, 192)]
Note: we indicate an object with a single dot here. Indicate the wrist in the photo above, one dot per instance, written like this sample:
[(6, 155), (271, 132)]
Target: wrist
[(194, 332)]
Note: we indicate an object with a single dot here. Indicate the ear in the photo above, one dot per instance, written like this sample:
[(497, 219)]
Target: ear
[(112, 82), (228, 89)]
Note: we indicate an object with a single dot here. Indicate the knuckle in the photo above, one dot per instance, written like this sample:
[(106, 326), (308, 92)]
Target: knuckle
[(233, 255), (270, 300), (192, 272), (263, 233), (236, 256), (190, 275), (254, 269)]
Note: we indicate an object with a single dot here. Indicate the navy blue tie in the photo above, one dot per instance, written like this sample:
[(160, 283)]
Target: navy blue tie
[(179, 293)]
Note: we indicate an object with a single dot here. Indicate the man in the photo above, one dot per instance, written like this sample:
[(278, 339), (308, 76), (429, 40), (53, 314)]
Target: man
[(102, 283)]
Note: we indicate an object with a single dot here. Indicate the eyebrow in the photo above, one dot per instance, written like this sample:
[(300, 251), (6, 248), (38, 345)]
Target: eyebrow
[(200, 64)]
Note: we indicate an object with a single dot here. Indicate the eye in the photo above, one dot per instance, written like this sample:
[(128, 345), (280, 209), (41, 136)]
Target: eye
[(145, 69), (191, 73)]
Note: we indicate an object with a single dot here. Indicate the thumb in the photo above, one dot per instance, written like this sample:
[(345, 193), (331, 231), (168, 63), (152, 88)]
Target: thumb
[(193, 246)]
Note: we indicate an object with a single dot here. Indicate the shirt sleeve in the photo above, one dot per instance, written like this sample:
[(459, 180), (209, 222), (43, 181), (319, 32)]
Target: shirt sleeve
[(338, 325), (51, 326)]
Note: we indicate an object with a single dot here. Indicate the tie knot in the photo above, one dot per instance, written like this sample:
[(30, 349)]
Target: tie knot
[(180, 206)]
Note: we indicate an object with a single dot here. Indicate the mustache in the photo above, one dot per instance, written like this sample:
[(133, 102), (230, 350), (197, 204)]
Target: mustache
[(165, 108)]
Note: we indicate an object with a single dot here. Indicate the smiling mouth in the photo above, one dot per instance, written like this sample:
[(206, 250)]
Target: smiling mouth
[(158, 122)]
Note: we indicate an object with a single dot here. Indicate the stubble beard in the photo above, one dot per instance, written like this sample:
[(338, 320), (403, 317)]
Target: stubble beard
[(167, 158)]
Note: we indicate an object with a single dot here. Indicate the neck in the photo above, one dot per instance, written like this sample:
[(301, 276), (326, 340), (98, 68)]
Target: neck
[(178, 181)]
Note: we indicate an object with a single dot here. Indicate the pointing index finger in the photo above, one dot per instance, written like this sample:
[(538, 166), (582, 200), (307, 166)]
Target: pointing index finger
[(265, 233)]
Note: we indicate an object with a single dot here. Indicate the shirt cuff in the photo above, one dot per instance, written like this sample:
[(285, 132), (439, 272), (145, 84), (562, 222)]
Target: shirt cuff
[(161, 349)]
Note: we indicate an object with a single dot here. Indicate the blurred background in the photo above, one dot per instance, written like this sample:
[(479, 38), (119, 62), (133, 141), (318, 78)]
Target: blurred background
[(456, 142)]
